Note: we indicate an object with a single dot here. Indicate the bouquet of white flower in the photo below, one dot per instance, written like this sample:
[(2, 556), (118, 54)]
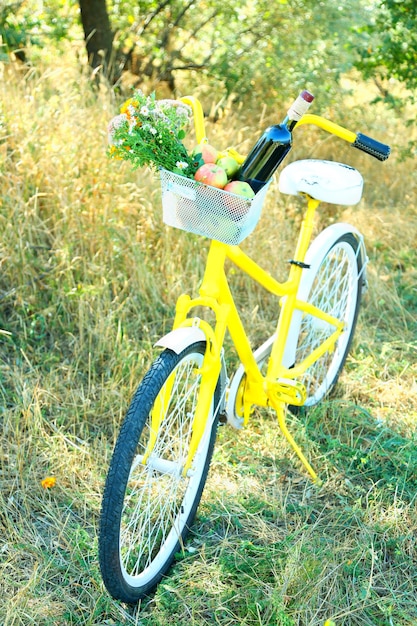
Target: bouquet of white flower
[(149, 132)]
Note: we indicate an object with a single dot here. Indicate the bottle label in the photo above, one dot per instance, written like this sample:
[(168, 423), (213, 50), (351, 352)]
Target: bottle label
[(298, 108)]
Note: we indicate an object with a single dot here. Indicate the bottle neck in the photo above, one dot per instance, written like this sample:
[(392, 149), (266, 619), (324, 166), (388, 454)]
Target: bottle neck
[(289, 123)]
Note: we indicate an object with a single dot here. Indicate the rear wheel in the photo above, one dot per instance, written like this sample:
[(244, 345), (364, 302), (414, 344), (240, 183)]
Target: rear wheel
[(335, 288), (148, 505), (333, 283)]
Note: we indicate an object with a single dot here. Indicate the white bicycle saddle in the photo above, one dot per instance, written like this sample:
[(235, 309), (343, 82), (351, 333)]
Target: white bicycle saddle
[(327, 181)]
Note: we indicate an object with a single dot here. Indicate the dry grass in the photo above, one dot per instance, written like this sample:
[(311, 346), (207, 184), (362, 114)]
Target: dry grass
[(89, 278)]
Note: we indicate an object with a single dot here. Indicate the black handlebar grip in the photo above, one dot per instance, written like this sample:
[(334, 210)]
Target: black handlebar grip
[(375, 148)]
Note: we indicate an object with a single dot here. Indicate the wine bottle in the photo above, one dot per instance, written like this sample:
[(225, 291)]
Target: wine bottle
[(273, 146)]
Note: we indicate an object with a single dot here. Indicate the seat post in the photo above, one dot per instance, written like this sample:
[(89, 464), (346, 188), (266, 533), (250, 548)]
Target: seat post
[(305, 234), (276, 367)]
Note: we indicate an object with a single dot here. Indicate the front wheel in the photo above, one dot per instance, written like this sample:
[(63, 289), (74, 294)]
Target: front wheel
[(148, 505), (333, 284)]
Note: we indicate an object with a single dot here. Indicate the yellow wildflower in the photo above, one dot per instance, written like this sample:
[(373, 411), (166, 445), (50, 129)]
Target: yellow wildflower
[(48, 482), (125, 106)]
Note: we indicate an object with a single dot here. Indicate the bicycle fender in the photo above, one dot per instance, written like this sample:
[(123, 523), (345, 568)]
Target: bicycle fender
[(328, 236), (177, 340), (323, 242)]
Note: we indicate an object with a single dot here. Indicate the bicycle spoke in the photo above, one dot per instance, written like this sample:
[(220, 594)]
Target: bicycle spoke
[(334, 291), (159, 494)]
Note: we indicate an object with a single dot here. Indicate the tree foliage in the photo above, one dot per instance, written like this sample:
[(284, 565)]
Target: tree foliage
[(389, 43), (243, 47), (26, 23), (238, 46)]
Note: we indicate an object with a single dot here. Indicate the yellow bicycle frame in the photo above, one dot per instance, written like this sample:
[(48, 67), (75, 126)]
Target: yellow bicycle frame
[(215, 294)]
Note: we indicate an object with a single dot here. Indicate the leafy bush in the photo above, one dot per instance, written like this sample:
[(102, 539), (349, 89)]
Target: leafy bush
[(24, 23)]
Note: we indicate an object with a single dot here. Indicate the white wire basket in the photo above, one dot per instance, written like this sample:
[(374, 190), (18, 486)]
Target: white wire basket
[(204, 210)]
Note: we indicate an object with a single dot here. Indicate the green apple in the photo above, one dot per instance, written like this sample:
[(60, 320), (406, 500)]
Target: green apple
[(229, 164)]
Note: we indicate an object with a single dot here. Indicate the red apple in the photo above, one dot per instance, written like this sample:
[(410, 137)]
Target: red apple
[(209, 154), (211, 174), (229, 164), (240, 188)]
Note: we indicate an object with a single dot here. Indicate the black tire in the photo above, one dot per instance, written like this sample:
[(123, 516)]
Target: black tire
[(336, 289), (148, 509)]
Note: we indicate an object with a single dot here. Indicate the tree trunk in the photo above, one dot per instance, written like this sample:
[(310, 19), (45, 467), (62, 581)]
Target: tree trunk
[(97, 33)]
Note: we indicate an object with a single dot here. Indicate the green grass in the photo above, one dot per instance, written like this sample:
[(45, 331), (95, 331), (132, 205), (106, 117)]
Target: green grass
[(89, 278)]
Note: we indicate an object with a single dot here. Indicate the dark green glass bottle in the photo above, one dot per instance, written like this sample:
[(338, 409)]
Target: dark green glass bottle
[(274, 145)]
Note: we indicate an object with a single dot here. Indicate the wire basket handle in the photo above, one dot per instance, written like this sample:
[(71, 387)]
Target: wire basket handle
[(200, 130), (198, 115)]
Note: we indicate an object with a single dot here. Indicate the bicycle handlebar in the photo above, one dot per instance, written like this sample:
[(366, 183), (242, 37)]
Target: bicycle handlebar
[(371, 146), (375, 148)]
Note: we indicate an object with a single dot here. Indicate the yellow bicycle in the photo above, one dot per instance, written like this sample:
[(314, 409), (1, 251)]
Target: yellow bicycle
[(163, 452)]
